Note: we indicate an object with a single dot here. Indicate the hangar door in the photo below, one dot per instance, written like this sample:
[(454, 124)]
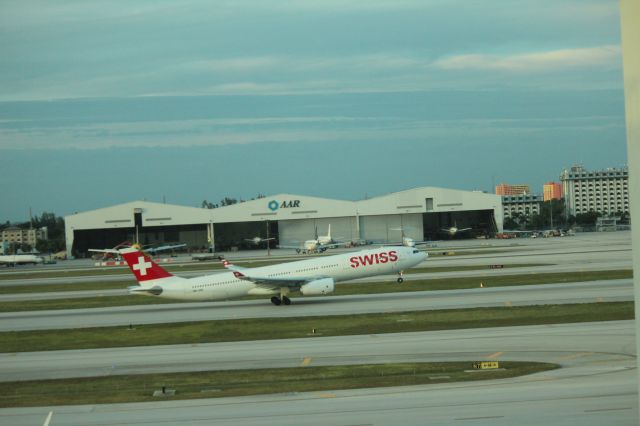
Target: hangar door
[(481, 222), (391, 228)]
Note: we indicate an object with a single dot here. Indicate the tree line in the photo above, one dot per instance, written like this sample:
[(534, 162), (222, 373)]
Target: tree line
[(227, 201), (553, 215), (55, 230)]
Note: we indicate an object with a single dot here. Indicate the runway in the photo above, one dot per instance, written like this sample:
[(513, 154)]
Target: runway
[(587, 292), (596, 384)]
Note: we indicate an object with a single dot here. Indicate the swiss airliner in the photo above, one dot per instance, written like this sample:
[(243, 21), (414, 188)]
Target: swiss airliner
[(315, 276)]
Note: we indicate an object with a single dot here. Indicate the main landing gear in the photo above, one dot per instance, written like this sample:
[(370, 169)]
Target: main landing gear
[(400, 279), (278, 301)]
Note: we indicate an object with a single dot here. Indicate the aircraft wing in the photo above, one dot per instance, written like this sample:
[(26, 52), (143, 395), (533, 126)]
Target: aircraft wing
[(289, 247), (424, 243), (115, 251), (334, 245), (293, 283), (153, 250), (463, 229), (275, 283), (402, 244)]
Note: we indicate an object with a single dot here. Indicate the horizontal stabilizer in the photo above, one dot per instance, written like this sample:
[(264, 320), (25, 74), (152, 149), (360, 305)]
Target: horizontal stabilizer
[(155, 290)]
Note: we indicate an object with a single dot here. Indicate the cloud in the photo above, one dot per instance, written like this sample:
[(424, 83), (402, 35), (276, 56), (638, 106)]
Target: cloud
[(591, 57), (290, 129)]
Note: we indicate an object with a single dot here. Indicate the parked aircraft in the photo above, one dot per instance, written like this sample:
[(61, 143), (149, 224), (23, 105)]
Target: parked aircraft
[(19, 259), (258, 240), (115, 252), (317, 245), (309, 277), (453, 230), (406, 241)]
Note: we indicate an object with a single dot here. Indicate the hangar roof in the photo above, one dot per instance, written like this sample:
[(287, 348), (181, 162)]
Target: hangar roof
[(285, 207)]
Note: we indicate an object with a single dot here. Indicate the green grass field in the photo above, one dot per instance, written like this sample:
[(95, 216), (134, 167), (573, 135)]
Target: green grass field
[(210, 384), (283, 328)]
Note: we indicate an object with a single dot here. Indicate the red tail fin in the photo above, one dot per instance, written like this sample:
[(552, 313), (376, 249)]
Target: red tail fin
[(142, 266)]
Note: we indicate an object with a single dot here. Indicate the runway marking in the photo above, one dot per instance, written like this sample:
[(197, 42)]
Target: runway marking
[(327, 395), (607, 409), (480, 418), (48, 419), (495, 355), (574, 356), (306, 361)]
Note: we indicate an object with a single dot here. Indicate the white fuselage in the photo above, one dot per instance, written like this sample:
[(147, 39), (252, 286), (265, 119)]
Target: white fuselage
[(340, 267), (17, 259)]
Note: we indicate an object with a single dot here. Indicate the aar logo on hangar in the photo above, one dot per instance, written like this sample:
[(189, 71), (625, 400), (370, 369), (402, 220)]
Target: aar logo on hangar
[(275, 205)]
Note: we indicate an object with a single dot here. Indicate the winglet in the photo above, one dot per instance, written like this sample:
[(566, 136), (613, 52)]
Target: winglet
[(224, 261), (236, 270)]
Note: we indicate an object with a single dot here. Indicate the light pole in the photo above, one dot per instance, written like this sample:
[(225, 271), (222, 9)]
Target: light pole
[(268, 241)]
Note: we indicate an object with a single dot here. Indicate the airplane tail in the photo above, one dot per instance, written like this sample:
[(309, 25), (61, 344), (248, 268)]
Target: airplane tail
[(146, 271)]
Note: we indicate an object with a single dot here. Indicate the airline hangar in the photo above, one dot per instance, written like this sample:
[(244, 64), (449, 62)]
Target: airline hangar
[(419, 213)]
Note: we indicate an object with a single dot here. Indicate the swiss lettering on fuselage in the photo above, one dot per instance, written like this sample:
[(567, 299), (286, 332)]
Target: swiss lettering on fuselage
[(373, 259)]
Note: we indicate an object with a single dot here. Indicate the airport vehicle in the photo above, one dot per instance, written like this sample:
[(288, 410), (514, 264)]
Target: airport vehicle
[(309, 277), (318, 245), (20, 259)]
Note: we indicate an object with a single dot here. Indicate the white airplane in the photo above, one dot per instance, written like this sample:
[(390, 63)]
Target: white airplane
[(258, 240), (454, 230), (406, 241), (319, 245), (115, 252), (309, 277), (20, 259)]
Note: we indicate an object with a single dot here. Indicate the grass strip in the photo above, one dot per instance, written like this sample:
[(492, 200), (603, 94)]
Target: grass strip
[(301, 327), (487, 281), (218, 384), (109, 285), (341, 289)]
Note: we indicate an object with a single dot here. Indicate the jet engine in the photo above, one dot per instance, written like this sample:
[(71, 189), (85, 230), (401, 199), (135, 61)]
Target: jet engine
[(316, 287)]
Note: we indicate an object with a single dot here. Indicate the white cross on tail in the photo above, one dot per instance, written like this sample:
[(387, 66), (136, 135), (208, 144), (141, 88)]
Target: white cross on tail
[(142, 266)]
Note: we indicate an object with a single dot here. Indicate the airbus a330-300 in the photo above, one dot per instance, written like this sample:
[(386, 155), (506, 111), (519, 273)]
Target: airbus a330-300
[(315, 276)]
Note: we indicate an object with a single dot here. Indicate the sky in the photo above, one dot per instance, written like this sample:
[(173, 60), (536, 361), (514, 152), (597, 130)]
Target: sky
[(104, 103)]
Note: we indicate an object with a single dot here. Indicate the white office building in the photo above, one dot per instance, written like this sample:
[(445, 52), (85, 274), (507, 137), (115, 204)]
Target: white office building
[(604, 191)]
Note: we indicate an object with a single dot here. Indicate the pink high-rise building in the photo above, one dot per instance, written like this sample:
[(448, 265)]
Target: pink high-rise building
[(506, 189), (552, 191)]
